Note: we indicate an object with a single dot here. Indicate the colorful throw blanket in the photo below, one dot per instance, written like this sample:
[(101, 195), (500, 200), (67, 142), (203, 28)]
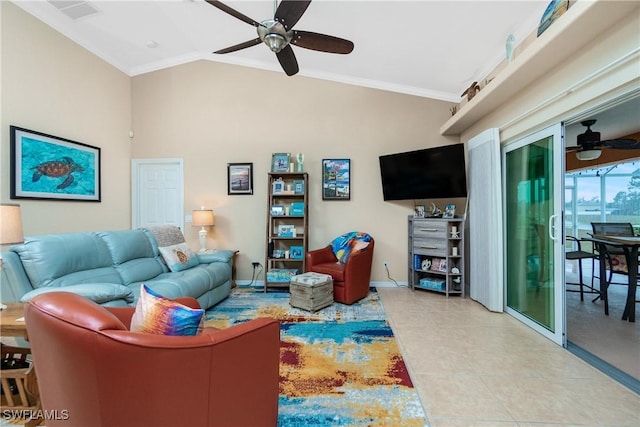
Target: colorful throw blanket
[(349, 243)]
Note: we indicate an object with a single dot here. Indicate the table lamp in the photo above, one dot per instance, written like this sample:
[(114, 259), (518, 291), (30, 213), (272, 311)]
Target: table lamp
[(203, 218), (10, 225)]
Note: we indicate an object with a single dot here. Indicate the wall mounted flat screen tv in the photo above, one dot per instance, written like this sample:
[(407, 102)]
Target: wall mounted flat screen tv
[(431, 173)]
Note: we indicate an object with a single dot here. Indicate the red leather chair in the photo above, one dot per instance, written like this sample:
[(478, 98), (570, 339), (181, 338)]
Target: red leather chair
[(92, 371), (350, 279)]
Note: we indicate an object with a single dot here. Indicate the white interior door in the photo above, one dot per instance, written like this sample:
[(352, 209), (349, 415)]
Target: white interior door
[(157, 193)]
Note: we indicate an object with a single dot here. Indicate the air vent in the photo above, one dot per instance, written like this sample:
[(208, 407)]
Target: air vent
[(74, 9)]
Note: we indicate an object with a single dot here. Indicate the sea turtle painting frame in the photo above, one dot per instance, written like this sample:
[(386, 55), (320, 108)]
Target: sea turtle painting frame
[(48, 167)]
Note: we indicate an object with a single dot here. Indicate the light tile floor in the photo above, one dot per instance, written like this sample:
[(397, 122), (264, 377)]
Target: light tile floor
[(472, 367)]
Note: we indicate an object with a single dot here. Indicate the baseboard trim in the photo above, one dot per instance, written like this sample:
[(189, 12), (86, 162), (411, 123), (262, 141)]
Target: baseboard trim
[(622, 377)]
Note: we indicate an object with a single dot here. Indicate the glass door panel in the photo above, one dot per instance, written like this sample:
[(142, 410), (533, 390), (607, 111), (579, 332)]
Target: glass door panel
[(533, 231)]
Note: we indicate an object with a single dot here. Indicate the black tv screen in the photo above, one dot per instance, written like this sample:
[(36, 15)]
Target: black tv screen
[(431, 173)]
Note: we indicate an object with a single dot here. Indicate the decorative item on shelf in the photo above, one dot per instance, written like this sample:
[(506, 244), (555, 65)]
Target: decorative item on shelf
[(203, 218), (455, 270), (297, 209), (291, 167), (554, 10), (298, 186), (449, 211), (278, 253), (418, 211), (286, 254), (438, 264), (278, 186), (510, 47), (435, 211), (300, 159), (455, 234), (280, 162), (454, 251), (286, 230), (471, 91), (426, 264), (10, 226), (297, 252), (336, 179), (281, 274), (278, 210)]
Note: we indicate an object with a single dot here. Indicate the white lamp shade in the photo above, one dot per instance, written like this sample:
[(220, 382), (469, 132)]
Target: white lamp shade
[(203, 218), (10, 224)]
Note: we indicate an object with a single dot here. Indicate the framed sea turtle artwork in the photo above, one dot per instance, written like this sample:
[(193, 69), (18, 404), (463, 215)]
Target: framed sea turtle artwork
[(48, 167)]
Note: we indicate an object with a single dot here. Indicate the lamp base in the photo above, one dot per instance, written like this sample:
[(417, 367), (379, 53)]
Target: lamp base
[(202, 234)]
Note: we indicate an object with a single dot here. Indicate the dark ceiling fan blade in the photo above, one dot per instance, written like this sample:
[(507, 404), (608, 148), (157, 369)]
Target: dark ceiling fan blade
[(321, 42), (289, 12), (240, 46), (288, 61), (223, 7), (621, 144)]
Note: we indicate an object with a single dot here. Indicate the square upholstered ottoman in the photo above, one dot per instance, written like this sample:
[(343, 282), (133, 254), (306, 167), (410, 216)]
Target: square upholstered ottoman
[(311, 291)]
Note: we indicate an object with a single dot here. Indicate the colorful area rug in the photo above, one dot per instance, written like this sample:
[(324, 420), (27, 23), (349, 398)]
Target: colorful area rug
[(340, 366)]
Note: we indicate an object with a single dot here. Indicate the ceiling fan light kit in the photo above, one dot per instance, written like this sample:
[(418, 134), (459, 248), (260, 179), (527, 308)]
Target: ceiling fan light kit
[(588, 154), (278, 34)]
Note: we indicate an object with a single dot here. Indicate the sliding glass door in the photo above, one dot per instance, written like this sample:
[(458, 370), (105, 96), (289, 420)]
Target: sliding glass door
[(533, 231)]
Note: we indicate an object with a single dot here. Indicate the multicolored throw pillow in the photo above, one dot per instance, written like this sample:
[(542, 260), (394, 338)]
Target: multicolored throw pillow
[(179, 257), (156, 314), (348, 244)]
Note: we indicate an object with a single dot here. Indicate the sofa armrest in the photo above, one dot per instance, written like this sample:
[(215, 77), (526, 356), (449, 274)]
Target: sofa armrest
[(100, 293), (320, 256), (219, 255)]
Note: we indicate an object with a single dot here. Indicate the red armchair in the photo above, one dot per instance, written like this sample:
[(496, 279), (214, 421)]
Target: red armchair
[(350, 279), (92, 371)]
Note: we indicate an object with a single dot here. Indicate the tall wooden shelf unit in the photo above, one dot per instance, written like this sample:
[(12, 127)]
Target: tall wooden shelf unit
[(285, 194), (439, 244)]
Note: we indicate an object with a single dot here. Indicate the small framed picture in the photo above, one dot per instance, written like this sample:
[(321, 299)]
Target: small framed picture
[(280, 162), (418, 211), (296, 252), (449, 211), (336, 179), (239, 178), (298, 187), (286, 230), (278, 186), (277, 210)]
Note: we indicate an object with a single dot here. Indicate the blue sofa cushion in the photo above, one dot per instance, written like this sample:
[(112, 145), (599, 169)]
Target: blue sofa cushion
[(61, 259), (97, 292), (133, 255)]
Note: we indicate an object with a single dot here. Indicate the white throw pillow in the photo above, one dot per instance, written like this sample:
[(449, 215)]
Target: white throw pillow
[(179, 257)]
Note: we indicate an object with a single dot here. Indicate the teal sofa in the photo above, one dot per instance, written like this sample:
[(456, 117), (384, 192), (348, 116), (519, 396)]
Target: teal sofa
[(108, 267)]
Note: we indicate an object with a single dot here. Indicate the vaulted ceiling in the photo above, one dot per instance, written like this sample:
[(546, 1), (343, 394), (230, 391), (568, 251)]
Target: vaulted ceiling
[(426, 48)]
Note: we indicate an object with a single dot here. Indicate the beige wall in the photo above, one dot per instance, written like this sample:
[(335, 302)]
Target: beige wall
[(51, 85), (211, 114)]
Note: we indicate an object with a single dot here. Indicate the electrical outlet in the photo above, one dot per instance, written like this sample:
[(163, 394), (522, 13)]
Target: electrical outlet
[(255, 264), (385, 264)]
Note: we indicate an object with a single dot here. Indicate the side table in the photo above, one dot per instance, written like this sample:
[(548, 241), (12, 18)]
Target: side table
[(27, 399)]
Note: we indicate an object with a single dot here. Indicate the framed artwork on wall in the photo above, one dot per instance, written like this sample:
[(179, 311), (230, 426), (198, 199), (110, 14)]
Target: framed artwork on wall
[(48, 167), (336, 179), (239, 178)]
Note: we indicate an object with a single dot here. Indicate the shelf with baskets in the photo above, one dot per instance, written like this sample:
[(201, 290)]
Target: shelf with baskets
[(436, 248), (287, 227)]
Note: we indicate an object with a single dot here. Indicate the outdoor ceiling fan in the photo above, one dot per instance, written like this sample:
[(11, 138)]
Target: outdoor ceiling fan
[(590, 146), (279, 35)]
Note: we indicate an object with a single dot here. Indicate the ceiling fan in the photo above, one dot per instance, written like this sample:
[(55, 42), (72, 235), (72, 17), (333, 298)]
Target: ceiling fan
[(590, 146), (279, 35)]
